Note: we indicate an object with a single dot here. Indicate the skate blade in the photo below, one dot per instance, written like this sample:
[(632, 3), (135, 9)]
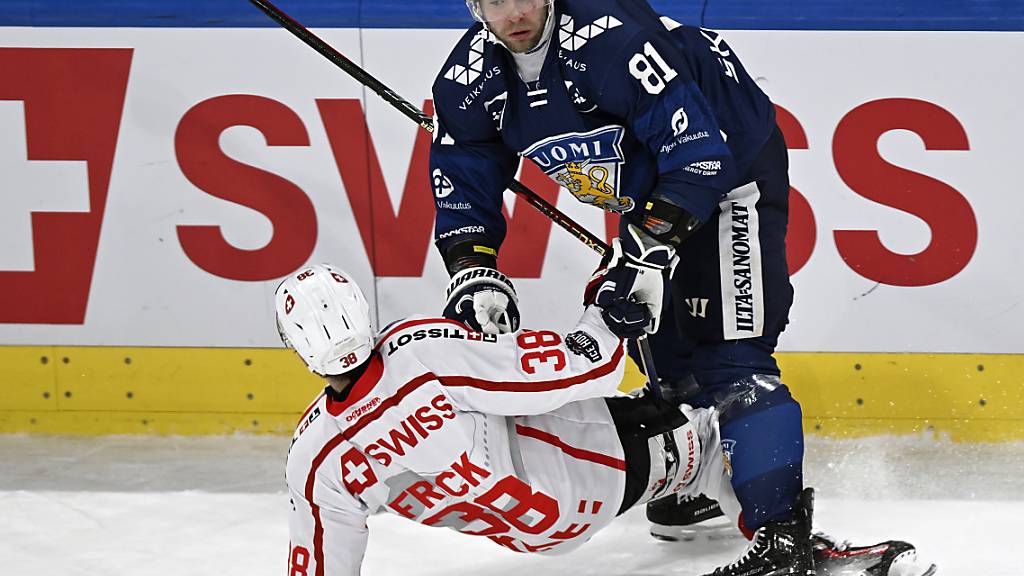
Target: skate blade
[(695, 532), (907, 564)]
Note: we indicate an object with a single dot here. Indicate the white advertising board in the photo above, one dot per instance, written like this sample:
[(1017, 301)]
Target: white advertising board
[(155, 185)]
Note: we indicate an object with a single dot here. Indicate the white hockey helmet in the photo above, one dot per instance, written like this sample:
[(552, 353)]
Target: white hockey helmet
[(491, 10), (323, 315)]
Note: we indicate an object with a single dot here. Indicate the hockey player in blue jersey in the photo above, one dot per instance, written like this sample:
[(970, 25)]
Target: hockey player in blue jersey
[(640, 115)]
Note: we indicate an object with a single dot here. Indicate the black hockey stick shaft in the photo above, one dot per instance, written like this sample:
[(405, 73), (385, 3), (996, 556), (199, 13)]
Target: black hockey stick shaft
[(350, 67), (417, 115), (427, 123)]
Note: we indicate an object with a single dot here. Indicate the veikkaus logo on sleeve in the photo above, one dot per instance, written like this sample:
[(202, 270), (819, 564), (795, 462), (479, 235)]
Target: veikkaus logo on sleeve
[(473, 70), (569, 38), (475, 63)]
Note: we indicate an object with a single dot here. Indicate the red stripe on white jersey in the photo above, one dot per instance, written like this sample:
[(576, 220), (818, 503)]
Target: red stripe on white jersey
[(318, 526), (334, 442), (390, 402), (409, 387), (536, 386), (578, 453)]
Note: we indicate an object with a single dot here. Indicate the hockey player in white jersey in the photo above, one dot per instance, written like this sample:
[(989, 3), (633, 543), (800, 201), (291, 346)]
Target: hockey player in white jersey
[(508, 437), (502, 436)]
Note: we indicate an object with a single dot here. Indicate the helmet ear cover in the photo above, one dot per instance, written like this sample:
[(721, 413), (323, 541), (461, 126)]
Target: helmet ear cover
[(323, 316)]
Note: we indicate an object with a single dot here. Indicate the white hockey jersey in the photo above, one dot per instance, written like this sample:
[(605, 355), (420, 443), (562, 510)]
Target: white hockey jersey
[(498, 436)]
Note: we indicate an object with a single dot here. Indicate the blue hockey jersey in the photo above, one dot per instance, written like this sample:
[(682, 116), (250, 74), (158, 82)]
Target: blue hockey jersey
[(628, 104)]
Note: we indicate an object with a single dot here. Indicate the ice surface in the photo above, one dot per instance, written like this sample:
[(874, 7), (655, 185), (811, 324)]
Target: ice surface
[(215, 506)]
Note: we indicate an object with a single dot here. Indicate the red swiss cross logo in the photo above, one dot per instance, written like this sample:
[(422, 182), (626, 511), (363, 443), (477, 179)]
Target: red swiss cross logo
[(356, 473)]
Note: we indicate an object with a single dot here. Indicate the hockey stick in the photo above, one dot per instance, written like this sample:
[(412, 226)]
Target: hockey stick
[(427, 123), (417, 116)]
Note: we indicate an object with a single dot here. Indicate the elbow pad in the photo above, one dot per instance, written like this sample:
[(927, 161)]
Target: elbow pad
[(668, 223)]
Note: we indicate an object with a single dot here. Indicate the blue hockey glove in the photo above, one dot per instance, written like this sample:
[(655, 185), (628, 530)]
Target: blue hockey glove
[(626, 317), (636, 273), (483, 299)]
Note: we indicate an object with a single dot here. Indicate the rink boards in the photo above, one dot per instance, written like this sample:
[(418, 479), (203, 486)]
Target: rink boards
[(187, 391), (159, 182)]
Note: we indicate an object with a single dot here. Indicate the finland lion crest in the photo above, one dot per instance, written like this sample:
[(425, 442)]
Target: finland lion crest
[(587, 164)]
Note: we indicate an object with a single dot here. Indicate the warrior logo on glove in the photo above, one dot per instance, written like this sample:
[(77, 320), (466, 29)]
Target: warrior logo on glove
[(483, 299)]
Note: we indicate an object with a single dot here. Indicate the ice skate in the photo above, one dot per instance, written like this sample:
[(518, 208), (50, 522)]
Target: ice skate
[(689, 518), (778, 548), (892, 558)]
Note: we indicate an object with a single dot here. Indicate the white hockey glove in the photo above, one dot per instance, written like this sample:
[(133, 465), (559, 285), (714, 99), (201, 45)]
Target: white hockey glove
[(637, 271), (483, 299)]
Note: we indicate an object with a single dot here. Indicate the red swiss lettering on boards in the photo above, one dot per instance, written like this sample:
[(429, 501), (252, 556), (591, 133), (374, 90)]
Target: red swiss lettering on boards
[(953, 225), (285, 204), (528, 229), (802, 231), (396, 241), (289, 209), (73, 100)]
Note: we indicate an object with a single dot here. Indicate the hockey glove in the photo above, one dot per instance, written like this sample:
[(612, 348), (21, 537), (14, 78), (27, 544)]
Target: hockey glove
[(625, 317), (637, 272), (483, 299)]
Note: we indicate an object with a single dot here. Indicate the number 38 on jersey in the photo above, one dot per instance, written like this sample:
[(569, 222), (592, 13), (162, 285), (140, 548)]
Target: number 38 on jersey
[(540, 352)]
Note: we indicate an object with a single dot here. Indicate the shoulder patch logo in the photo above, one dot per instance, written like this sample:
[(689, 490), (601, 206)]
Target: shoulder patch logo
[(442, 185), (496, 107), (583, 344), (572, 39), (680, 122), (467, 74), (356, 473), (579, 100)]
